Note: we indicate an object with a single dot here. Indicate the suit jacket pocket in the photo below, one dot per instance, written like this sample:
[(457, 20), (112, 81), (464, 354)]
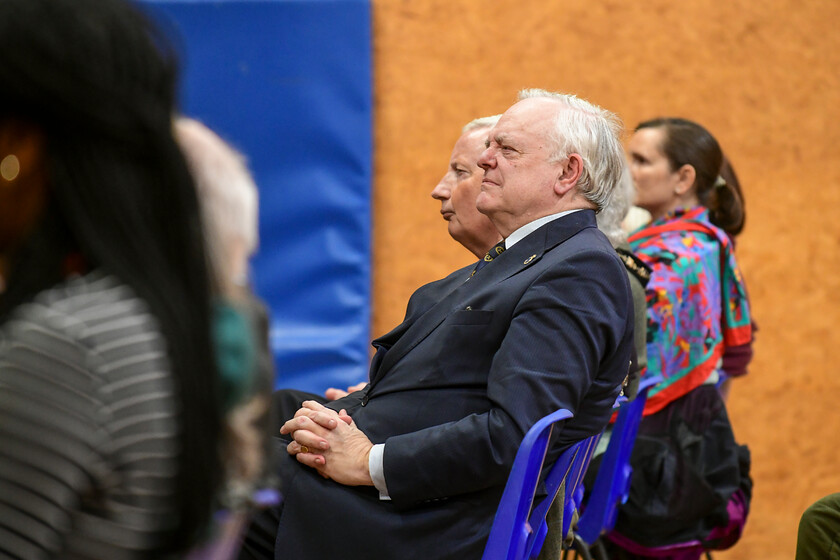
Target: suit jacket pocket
[(466, 342), (470, 317)]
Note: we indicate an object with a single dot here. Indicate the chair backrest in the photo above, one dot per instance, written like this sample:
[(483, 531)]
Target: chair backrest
[(612, 483), (518, 532), (571, 480)]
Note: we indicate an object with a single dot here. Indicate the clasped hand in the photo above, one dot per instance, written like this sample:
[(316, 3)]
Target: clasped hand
[(329, 442)]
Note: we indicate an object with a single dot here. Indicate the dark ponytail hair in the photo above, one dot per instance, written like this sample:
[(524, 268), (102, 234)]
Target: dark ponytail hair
[(98, 80), (729, 195), (686, 142)]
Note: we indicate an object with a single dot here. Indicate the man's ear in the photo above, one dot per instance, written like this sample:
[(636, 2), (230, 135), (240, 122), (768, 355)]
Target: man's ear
[(570, 171), (685, 179)]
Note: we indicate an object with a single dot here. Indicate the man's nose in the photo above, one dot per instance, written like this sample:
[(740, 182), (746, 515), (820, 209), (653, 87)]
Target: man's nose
[(441, 190), (486, 160)]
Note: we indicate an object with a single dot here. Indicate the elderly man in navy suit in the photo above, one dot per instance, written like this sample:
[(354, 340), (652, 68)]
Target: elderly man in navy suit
[(414, 465)]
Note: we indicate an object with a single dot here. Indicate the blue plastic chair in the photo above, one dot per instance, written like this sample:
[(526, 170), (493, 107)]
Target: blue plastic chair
[(518, 532), (612, 483)]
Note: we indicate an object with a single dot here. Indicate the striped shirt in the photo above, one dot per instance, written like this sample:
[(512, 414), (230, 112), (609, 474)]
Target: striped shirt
[(88, 425)]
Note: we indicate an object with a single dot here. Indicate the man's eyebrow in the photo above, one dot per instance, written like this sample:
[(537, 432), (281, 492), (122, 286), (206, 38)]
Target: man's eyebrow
[(498, 139)]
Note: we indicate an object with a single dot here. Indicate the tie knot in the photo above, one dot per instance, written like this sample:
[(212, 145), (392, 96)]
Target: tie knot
[(494, 252)]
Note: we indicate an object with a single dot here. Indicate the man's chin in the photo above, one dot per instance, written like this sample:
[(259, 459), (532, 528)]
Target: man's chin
[(484, 207), (456, 232)]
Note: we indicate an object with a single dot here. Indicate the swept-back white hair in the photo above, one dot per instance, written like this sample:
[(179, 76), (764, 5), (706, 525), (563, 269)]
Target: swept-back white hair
[(594, 134)]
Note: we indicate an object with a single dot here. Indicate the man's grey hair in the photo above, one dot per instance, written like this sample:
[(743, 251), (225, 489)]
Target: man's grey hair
[(594, 134), (612, 215), (482, 122)]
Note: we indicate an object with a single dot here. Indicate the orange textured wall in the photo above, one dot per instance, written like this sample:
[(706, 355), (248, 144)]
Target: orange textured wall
[(762, 76)]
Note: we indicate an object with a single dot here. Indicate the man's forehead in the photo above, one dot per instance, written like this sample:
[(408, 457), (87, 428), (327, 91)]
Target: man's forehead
[(528, 112), (471, 141), (477, 135), (518, 129)]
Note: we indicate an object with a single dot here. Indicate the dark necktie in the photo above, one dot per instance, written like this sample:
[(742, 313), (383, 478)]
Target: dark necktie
[(497, 250)]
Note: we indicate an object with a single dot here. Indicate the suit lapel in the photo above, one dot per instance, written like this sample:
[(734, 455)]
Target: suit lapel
[(521, 256)]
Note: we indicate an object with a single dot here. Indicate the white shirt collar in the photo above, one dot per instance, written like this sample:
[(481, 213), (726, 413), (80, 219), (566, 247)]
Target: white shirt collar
[(520, 234)]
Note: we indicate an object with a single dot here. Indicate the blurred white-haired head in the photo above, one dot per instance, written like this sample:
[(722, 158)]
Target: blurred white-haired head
[(228, 198), (612, 215)]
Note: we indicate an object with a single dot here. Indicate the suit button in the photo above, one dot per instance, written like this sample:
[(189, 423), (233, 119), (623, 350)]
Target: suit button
[(364, 401)]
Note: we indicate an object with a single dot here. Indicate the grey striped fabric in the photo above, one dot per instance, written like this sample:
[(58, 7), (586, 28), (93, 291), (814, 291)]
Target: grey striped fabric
[(88, 426)]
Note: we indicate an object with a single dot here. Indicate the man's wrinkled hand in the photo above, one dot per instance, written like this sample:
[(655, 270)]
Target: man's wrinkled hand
[(331, 443)]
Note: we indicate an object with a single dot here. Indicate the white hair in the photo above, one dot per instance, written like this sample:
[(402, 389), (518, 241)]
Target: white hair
[(228, 198), (612, 215), (479, 123), (594, 134)]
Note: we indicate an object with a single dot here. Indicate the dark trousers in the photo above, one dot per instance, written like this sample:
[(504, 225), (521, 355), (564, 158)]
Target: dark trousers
[(258, 540)]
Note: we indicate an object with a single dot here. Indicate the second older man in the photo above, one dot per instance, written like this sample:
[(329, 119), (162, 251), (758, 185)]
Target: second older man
[(459, 187), (414, 465)]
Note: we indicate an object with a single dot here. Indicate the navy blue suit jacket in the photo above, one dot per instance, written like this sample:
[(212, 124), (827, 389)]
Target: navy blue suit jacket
[(454, 388)]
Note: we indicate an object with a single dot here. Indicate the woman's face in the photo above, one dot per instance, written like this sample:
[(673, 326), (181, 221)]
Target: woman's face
[(656, 183)]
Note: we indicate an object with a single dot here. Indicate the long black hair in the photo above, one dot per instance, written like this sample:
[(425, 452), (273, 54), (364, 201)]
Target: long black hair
[(686, 142), (99, 80)]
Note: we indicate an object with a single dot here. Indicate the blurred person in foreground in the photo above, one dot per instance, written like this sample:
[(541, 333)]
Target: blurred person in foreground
[(414, 465), (109, 402), (229, 202)]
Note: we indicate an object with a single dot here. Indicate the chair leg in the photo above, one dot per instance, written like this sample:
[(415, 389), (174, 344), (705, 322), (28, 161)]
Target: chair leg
[(581, 548), (600, 551)]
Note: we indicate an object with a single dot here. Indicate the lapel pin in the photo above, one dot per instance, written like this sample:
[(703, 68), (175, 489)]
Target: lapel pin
[(529, 259)]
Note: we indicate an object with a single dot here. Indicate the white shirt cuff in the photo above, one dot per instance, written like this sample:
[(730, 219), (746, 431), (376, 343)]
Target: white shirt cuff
[(376, 465)]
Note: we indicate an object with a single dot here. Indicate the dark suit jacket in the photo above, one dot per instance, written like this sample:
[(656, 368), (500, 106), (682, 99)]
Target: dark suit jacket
[(454, 388)]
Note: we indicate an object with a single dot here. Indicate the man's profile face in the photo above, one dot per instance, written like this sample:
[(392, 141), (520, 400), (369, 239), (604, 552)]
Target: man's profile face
[(458, 189), (518, 184)]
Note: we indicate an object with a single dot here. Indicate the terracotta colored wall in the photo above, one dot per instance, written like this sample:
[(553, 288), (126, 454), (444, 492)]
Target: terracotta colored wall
[(762, 76)]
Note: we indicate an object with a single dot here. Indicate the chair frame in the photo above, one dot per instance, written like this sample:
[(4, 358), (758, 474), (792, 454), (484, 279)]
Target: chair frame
[(612, 483), (518, 532)]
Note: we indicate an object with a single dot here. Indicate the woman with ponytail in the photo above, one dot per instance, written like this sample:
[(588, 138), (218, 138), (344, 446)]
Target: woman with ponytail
[(690, 487), (109, 403), (697, 304)]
